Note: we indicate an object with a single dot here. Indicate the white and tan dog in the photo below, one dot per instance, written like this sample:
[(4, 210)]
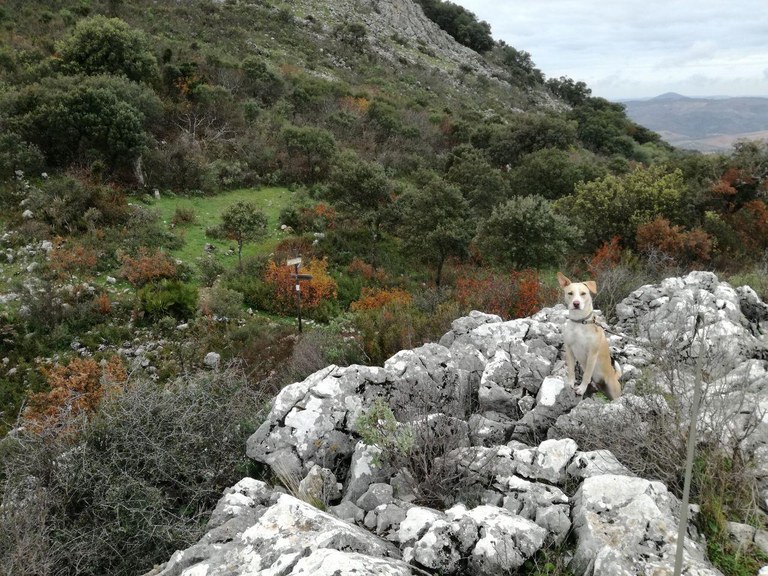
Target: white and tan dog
[(585, 341)]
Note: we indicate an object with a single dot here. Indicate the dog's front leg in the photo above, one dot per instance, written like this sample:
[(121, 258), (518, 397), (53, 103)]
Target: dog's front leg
[(570, 363), (589, 369)]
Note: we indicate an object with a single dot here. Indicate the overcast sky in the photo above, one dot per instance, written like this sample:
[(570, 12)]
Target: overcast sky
[(640, 48)]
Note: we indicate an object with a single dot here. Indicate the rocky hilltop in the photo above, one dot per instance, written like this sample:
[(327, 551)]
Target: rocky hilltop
[(514, 462)]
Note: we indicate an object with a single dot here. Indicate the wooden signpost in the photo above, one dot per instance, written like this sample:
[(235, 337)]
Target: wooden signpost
[(296, 263)]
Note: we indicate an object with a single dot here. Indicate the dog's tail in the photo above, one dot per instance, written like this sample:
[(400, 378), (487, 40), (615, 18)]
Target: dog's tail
[(616, 365)]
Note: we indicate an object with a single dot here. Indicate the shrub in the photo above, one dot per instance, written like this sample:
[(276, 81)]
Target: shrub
[(75, 389), (168, 297), (371, 299), (366, 271), (420, 448), (144, 229), (257, 293), (293, 245), (182, 215), (526, 232), (221, 302), (147, 267), (132, 485), (77, 118), (751, 225), (210, 269), (62, 203), (338, 343), (101, 45), (516, 295), (15, 154), (607, 256), (63, 259), (321, 287), (52, 311), (102, 304), (617, 205), (399, 326), (686, 246)]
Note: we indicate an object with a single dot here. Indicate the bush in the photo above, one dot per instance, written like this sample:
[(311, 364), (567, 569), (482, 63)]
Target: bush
[(169, 297), (143, 228), (257, 293), (52, 311), (399, 326), (319, 288), (526, 232), (147, 267), (617, 205), (319, 347), (134, 484), (420, 448), (15, 154), (219, 301), (183, 216), (75, 389), (688, 247), (105, 118), (62, 203), (63, 260), (371, 299), (210, 269), (101, 45), (515, 295)]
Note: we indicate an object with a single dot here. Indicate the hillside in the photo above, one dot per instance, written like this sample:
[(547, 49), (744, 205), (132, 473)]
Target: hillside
[(161, 162), (705, 124)]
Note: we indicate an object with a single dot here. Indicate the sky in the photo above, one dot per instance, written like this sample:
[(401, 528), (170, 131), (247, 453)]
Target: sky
[(626, 49)]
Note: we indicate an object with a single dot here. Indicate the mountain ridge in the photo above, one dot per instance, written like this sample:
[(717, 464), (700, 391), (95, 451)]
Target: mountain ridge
[(704, 124)]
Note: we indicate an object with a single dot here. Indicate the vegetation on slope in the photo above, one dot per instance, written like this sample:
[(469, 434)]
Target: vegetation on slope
[(416, 183)]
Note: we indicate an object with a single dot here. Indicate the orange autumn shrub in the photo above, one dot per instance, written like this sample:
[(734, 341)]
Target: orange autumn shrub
[(751, 225), (372, 298), (724, 187), (685, 246), (147, 267), (76, 389), (66, 259), (607, 257), (313, 292), (366, 271), (102, 304), (514, 295)]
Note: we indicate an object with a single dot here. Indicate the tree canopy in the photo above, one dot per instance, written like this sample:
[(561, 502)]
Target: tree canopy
[(243, 222), (526, 232), (435, 222), (101, 45)]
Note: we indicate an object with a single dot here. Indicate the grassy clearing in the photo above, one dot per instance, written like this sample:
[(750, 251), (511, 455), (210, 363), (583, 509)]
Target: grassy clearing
[(207, 213)]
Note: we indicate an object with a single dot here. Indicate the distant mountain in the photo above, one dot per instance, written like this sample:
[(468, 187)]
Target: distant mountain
[(706, 124), (667, 96)]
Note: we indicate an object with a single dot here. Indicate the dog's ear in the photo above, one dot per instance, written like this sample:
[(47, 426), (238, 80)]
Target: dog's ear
[(562, 280), (591, 285)]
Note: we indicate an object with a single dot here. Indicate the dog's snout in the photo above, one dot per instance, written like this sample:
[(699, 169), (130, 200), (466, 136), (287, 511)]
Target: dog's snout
[(576, 304)]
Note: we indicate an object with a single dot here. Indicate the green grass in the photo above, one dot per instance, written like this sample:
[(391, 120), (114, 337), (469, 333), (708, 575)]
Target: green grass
[(208, 211)]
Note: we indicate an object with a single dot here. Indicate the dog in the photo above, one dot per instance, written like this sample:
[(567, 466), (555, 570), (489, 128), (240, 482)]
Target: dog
[(585, 341)]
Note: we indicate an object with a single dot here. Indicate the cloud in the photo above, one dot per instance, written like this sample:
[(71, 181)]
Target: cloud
[(699, 51), (639, 45)]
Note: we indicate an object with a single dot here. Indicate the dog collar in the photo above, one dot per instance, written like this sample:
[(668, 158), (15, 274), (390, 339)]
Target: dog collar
[(588, 320)]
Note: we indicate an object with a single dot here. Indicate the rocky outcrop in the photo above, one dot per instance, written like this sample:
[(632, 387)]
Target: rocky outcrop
[(398, 31), (499, 477)]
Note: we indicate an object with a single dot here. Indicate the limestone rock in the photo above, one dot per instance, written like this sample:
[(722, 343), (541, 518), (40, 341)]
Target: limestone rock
[(627, 526)]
